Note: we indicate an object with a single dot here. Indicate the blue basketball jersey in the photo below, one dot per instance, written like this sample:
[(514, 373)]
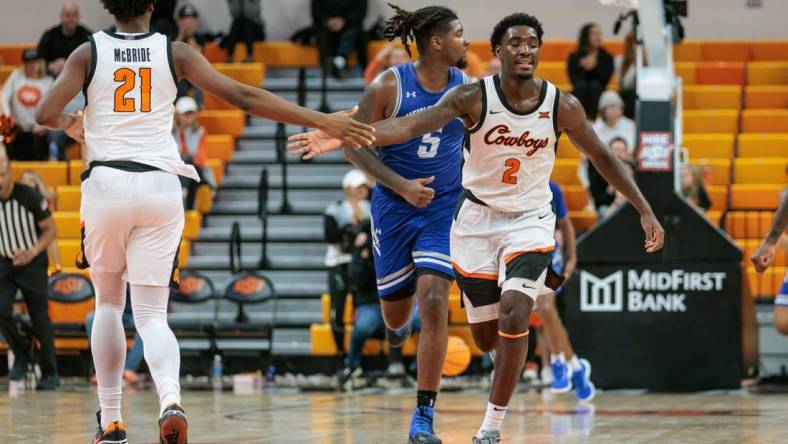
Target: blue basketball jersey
[(435, 154)]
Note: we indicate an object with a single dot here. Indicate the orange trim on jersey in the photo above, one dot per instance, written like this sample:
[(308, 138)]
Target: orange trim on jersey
[(512, 336), (487, 277), (513, 256)]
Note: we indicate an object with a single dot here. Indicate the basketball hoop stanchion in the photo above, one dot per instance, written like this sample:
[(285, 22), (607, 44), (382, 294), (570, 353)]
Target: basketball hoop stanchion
[(281, 154), (262, 212)]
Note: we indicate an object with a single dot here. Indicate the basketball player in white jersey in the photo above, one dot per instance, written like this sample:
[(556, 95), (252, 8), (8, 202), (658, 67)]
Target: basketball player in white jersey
[(132, 211), (502, 234)]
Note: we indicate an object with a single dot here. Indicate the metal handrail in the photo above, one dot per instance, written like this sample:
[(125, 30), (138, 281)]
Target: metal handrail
[(235, 248), (281, 150), (262, 213)]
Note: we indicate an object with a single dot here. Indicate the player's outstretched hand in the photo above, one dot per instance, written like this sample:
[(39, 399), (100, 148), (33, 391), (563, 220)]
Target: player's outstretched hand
[(416, 192), (312, 143), (763, 257), (75, 127), (655, 235), (351, 132)]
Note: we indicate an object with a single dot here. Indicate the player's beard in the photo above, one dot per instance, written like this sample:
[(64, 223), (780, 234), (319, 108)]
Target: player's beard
[(462, 63)]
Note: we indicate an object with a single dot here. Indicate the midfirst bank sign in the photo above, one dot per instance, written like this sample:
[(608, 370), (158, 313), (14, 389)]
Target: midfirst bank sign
[(644, 290)]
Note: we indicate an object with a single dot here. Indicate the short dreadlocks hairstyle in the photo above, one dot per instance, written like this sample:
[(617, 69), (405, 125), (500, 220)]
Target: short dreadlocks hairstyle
[(418, 26), (516, 19), (124, 10)]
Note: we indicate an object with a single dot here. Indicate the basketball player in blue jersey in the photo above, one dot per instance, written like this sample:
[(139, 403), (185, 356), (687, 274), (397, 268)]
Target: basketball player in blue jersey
[(410, 228), (764, 256), (503, 228)]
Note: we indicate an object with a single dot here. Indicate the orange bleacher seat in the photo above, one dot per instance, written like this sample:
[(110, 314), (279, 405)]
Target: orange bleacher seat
[(769, 50), (755, 196), (75, 169), (715, 171), (5, 72), (183, 252), (718, 195), (554, 72), (714, 216), (726, 50), (220, 146), (766, 284), (566, 150), (218, 169), (214, 53), (325, 306), (709, 145), (230, 122), (67, 224), (719, 73), (481, 48), (68, 198), (69, 249), (763, 145), (12, 54), (749, 246), (712, 97), (53, 174), (285, 54), (764, 121), (565, 172), (711, 121), (252, 74), (686, 70), (766, 96), (688, 51), (556, 50), (575, 196), (767, 73), (203, 199), (770, 170), (614, 47), (748, 224), (192, 224), (583, 220)]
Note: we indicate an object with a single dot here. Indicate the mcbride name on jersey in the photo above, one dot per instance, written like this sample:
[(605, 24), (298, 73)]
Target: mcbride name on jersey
[(510, 154), (434, 154), (130, 91)]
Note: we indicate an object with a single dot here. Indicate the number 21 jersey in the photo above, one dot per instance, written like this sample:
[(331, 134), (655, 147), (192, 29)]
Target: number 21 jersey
[(130, 91), (434, 154)]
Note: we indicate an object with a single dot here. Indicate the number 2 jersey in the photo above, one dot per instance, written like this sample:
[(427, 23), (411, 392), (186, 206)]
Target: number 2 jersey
[(510, 155), (434, 154), (130, 93)]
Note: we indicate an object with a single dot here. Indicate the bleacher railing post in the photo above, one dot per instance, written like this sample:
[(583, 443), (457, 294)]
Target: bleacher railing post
[(281, 148), (262, 211), (324, 106), (301, 88), (236, 264)]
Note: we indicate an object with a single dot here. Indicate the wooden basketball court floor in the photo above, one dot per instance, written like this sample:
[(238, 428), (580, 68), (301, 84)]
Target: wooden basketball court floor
[(374, 416)]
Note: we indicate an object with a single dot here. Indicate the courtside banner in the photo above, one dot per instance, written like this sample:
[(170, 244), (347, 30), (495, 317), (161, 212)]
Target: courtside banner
[(657, 326)]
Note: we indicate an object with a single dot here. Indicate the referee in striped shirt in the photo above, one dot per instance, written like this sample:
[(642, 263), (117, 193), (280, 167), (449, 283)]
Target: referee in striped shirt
[(26, 229)]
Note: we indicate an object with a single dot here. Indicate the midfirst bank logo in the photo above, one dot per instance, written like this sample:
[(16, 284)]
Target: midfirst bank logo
[(646, 290)]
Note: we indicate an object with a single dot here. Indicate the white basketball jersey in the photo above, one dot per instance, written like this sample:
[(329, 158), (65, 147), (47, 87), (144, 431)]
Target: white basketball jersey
[(509, 155), (130, 93)]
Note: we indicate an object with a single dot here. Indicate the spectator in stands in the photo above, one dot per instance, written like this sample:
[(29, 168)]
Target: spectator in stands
[(19, 97), (390, 55), (340, 218), (626, 67), (33, 180), (339, 28), (163, 18), (57, 43), (602, 193), (590, 68), (135, 354), (247, 27), (612, 123), (188, 20), (692, 187), (190, 138), (23, 266)]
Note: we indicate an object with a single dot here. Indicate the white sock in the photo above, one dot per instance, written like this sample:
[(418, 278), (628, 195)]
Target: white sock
[(108, 343), (161, 348), (575, 363), (493, 418), (557, 358)]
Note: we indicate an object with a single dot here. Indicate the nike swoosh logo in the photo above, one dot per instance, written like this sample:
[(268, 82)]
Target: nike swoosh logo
[(528, 287), (495, 112), (543, 216), (499, 410)]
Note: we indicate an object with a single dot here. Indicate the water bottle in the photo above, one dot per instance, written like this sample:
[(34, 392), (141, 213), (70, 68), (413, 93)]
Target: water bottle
[(270, 376), (53, 151), (216, 372)]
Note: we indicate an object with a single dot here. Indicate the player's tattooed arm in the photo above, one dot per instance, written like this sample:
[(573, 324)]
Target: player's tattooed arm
[(462, 101), (572, 120), (763, 257), (68, 84), (191, 65)]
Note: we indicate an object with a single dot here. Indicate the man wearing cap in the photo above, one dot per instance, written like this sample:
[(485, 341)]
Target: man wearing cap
[(57, 43), (19, 98)]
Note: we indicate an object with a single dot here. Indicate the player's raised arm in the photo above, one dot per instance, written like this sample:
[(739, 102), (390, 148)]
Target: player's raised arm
[(572, 120), (763, 257), (68, 84), (191, 65)]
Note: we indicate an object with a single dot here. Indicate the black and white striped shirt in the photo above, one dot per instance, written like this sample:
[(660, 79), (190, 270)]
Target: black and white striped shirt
[(19, 218)]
